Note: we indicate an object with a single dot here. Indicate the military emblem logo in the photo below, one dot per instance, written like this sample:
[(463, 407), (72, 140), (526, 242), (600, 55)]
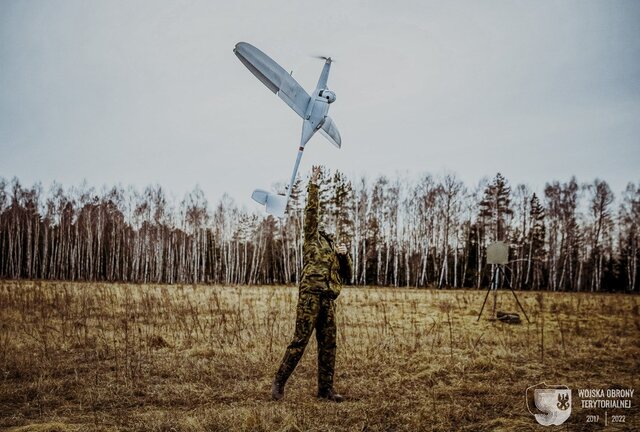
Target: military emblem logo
[(550, 405)]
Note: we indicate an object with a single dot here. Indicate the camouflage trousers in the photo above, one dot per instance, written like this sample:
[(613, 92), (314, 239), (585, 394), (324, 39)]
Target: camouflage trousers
[(314, 311)]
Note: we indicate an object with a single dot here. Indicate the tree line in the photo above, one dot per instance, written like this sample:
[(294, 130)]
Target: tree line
[(429, 232)]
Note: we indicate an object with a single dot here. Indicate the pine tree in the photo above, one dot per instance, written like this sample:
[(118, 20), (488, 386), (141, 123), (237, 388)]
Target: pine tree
[(342, 206), (494, 212), (495, 208), (535, 244)]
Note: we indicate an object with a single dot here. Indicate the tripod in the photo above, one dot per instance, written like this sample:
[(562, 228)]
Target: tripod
[(493, 286)]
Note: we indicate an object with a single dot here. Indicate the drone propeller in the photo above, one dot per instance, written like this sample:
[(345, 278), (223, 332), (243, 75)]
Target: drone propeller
[(325, 58)]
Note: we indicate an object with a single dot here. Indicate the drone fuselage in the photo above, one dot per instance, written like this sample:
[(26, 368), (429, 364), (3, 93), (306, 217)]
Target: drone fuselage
[(314, 118)]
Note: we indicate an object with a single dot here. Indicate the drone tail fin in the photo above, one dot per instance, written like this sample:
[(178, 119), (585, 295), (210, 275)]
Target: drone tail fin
[(275, 204)]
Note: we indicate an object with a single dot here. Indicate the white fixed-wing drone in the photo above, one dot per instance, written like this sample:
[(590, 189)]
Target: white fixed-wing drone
[(313, 110)]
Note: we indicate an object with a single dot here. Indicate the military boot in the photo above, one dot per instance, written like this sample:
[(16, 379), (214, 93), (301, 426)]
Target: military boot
[(330, 395), (277, 388)]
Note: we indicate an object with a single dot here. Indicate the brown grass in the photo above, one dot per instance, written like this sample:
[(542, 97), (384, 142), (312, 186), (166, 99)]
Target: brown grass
[(77, 357)]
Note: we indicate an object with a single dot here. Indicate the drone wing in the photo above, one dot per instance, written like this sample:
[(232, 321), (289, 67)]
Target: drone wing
[(330, 132), (274, 77)]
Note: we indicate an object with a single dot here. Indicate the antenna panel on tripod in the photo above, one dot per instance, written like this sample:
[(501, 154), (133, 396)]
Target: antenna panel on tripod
[(498, 253)]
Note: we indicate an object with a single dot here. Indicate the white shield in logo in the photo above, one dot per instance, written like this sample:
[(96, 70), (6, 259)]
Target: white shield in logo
[(553, 403)]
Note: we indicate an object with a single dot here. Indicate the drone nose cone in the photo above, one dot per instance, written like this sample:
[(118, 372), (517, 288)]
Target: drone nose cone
[(243, 51), (241, 48)]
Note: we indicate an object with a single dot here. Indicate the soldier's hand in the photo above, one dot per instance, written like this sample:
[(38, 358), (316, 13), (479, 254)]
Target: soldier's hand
[(342, 249), (315, 174)]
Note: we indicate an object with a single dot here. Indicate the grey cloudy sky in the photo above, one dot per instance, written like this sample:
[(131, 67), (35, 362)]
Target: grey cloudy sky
[(150, 92)]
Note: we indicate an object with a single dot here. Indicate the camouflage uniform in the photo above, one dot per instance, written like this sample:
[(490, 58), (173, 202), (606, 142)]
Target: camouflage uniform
[(322, 277)]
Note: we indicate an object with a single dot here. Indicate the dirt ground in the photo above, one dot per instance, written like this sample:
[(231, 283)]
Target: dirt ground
[(102, 357)]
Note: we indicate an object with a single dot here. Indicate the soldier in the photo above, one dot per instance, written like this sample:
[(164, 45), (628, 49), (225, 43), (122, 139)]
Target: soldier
[(326, 267)]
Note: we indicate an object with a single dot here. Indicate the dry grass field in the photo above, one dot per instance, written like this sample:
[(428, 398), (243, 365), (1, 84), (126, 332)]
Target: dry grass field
[(103, 357)]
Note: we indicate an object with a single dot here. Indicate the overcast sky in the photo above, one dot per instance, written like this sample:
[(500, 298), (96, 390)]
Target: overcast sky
[(150, 92)]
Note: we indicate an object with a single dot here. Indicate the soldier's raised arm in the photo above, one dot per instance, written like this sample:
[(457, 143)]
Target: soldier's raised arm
[(311, 210)]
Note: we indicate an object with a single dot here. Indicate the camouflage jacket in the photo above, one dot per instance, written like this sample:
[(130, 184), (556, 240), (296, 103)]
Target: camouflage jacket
[(324, 270)]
